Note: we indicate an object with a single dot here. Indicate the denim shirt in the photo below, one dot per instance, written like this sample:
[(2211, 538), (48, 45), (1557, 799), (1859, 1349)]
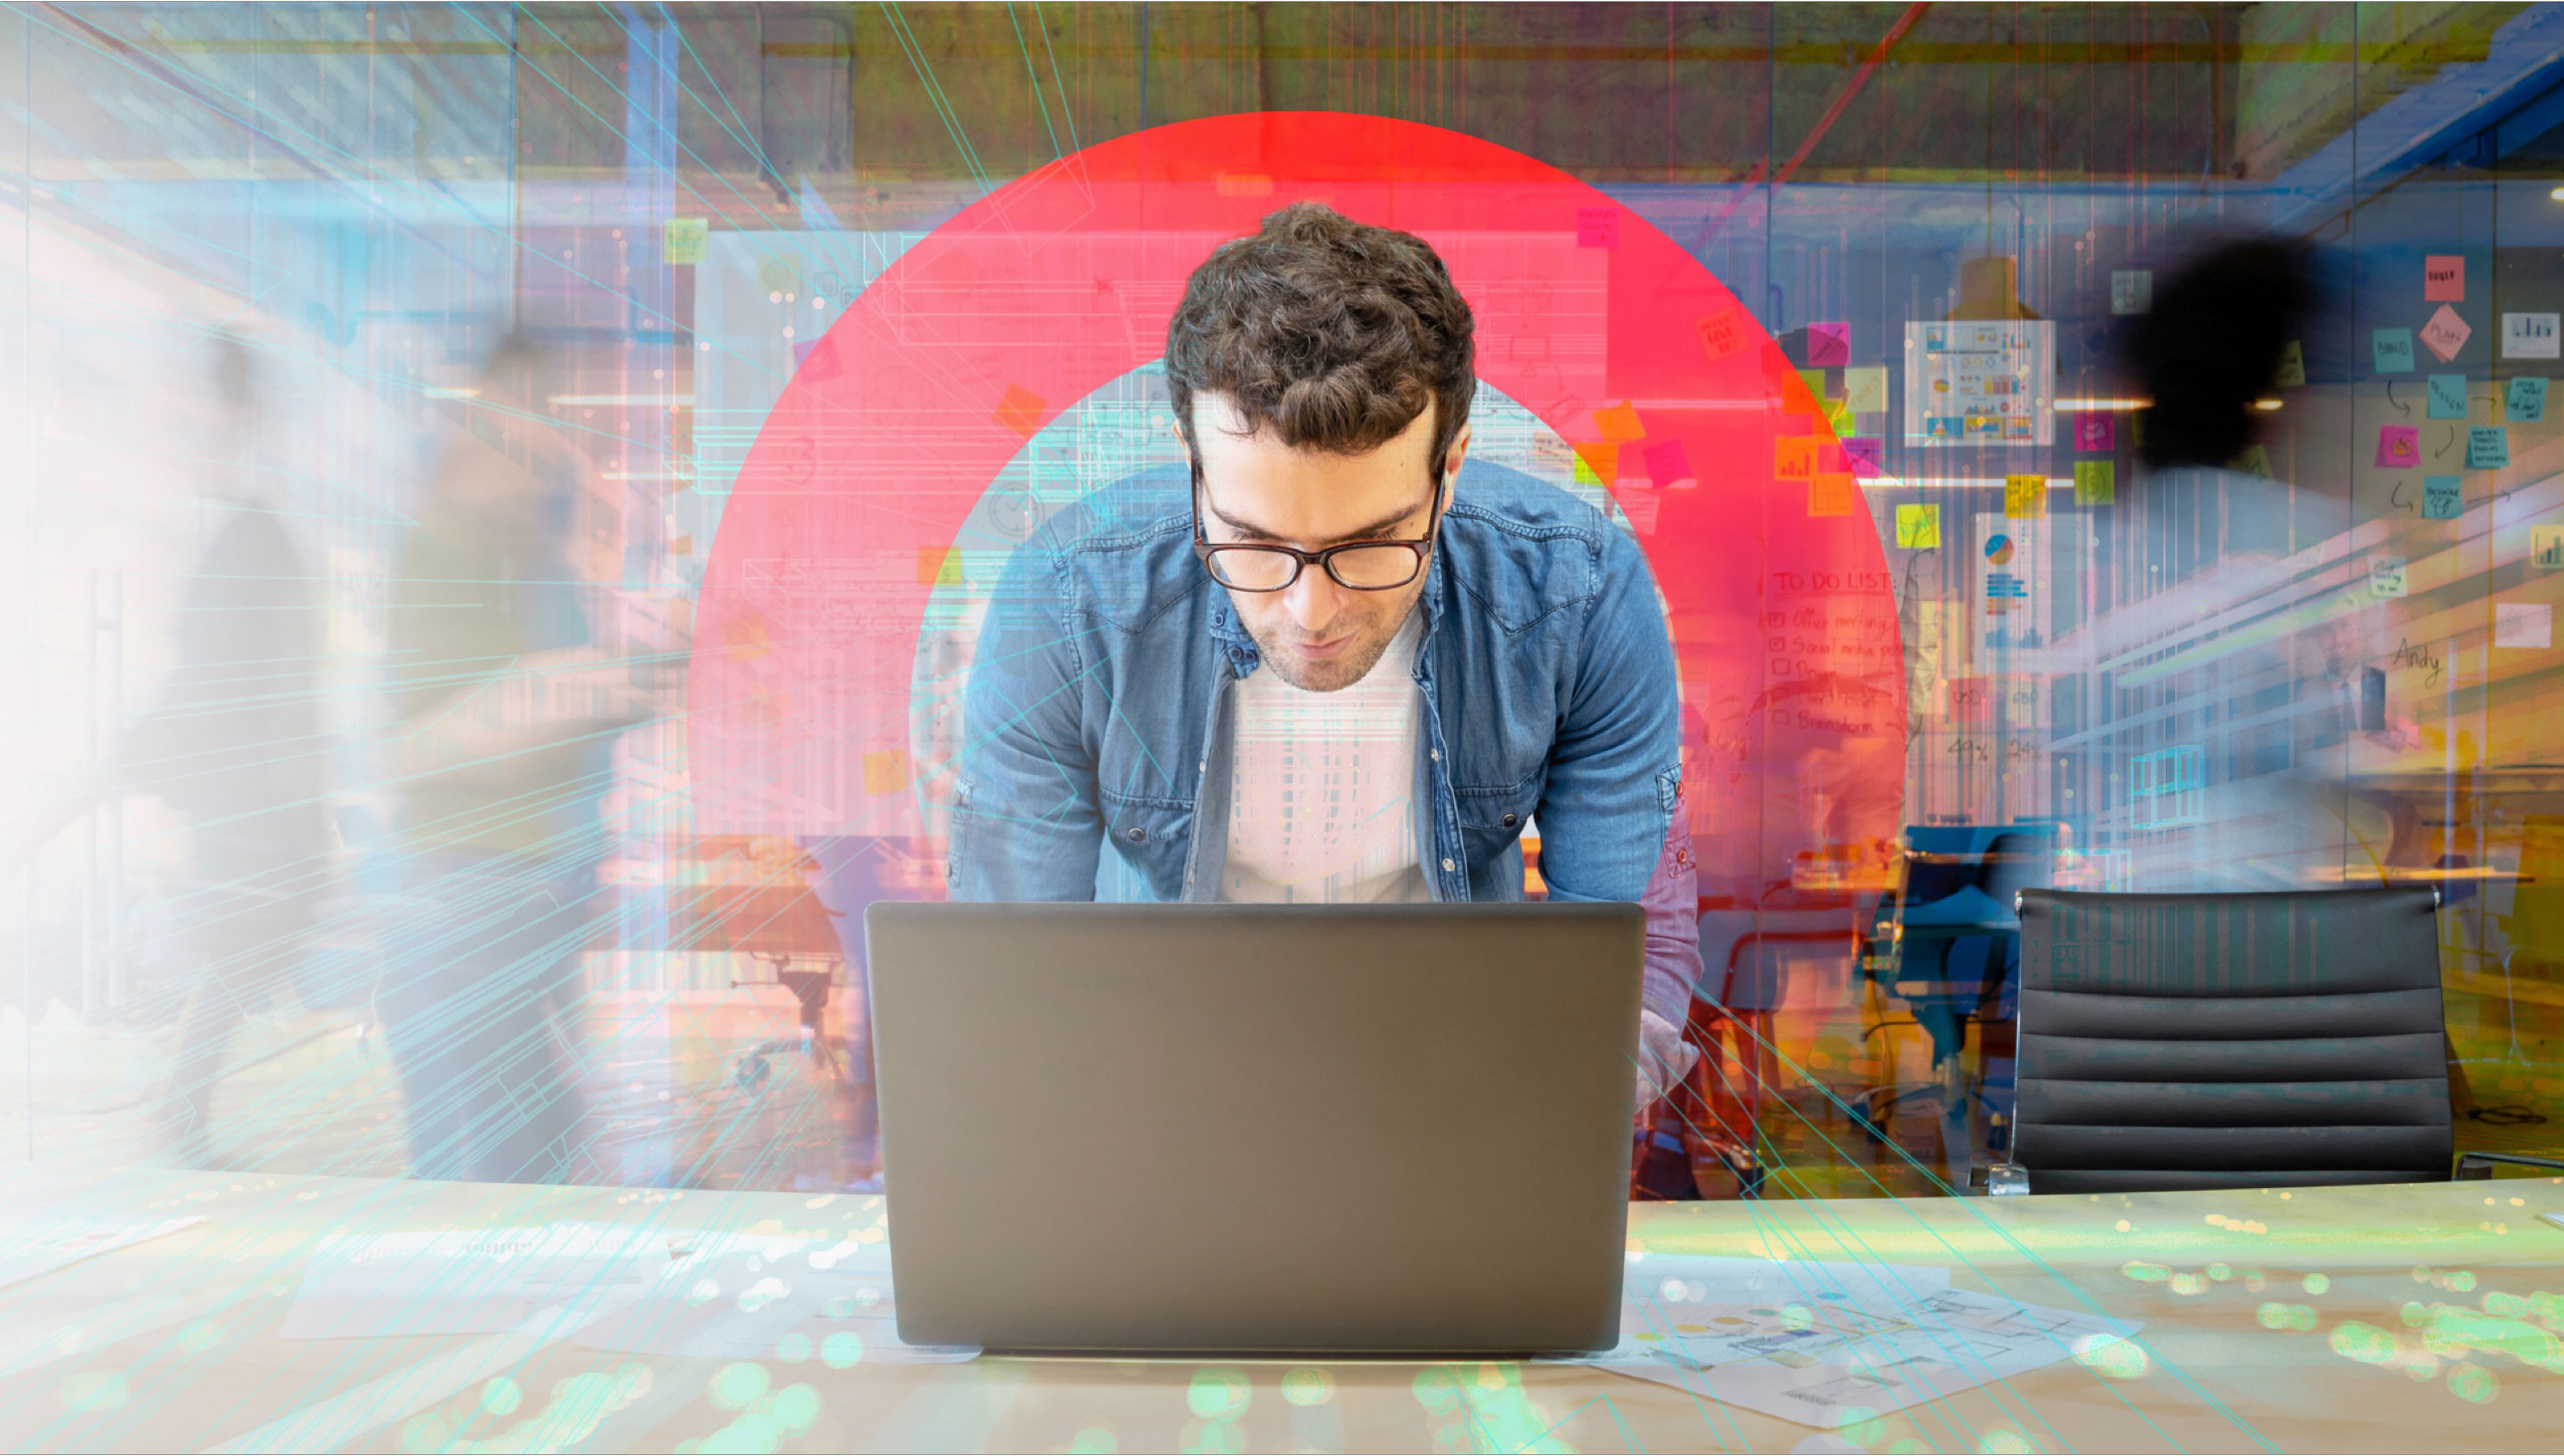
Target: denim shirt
[(1099, 711)]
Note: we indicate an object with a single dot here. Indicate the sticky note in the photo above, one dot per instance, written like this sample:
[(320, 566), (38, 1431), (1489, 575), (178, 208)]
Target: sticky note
[(2255, 460), (1794, 457), (2444, 278), (2132, 290), (1666, 461), (2445, 334), (684, 240), (2024, 497), (1829, 492), (939, 566), (1639, 508), (1021, 410), (2399, 447), (2488, 447), (1597, 227), (1829, 345), (1862, 452), (1721, 335), (2440, 498), (2546, 548), (2385, 576), (2292, 366), (1865, 389), (2448, 396), (1918, 527), (2095, 483), (2394, 349), (1598, 461), (2525, 400), (1619, 422), (886, 773), (1814, 379), (2528, 335), (2529, 625), (2095, 430), (1838, 419)]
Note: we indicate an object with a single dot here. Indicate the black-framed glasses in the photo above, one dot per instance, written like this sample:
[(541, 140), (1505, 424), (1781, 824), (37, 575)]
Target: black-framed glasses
[(1355, 565)]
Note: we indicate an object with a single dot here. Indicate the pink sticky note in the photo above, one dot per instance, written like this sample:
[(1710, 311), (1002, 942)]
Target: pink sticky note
[(1860, 457), (2444, 278), (2445, 333), (1666, 461), (2399, 447), (1597, 227), (1829, 345), (2095, 430)]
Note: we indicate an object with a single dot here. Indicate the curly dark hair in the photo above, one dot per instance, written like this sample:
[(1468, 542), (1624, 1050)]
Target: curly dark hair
[(2211, 344), (1334, 333)]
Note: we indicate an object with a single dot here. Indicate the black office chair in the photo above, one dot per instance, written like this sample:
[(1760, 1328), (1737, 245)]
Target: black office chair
[(2231, 1041)]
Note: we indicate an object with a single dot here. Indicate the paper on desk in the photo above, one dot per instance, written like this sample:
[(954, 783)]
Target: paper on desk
[(472, 1282), (743, 1298), (2556, 1219), (1830, 1362), (25, 1258)]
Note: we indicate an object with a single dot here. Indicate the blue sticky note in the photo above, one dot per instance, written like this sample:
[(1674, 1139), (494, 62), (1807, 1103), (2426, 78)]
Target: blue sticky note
[(2441, 500), (2393, 351), (2488, 447), (2527, 401), (2448, 396)]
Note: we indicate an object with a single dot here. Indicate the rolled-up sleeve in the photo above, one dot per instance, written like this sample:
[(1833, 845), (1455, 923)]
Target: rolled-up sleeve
[(1026, 821)]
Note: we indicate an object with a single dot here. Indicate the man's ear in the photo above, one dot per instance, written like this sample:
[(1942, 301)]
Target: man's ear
[(1451, 460)]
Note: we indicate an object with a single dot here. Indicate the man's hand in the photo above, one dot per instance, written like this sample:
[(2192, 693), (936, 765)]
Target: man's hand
[(1663, 1058)]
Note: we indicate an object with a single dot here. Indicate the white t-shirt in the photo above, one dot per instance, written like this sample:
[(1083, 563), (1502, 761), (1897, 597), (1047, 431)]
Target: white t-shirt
[(1320, 796)]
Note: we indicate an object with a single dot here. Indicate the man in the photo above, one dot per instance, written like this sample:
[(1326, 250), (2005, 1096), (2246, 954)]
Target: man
[(1342, 674)]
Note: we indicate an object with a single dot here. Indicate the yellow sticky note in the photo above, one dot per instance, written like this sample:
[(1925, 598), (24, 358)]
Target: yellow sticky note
[(1794, 457), (2095, 483), (1918, 527), (685, 239), (1021, 410), (1619, 422), (886, 773), (2024, 496), (1865, 389), (939, 566), (1598, 462), (1829, 492), (1814, 379), (1838, 419), (2292, 366), (2254, 461)]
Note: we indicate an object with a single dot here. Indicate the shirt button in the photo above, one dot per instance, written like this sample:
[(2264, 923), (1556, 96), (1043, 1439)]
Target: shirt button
[(1512, 819), (1135, 834), (1435, 755), (1446, 866)]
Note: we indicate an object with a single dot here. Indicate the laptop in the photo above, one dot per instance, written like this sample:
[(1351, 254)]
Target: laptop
[(1257, 1130)]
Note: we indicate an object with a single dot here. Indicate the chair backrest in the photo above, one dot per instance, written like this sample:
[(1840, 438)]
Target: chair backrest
[(2214, 1041)]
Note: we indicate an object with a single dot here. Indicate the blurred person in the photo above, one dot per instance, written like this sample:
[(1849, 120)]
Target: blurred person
[(1350, 672), (2274, 717), (512, 710)]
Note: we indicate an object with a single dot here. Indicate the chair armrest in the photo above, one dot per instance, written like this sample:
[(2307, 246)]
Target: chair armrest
[(2477, 1165), (1999, 1180)]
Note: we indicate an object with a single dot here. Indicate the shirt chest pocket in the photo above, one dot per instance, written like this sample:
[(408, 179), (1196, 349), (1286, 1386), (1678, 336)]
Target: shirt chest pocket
[(1495, 817), (1152, 837)]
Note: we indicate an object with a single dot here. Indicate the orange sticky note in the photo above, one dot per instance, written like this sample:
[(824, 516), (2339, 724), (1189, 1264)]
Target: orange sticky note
[(1021, 410), (1598, 462), (1794, 457), (939, 566), (1829, 492), (743, 638), (886, 773), (1619, 423), (1721, 334), (2024, 497)]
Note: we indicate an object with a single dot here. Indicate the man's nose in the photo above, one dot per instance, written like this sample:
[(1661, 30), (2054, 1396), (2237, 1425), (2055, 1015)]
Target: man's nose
[(1315, 600)]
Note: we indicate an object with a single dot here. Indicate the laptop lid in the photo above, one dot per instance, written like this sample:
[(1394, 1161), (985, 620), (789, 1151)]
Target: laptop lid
[(1256, 1128)]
